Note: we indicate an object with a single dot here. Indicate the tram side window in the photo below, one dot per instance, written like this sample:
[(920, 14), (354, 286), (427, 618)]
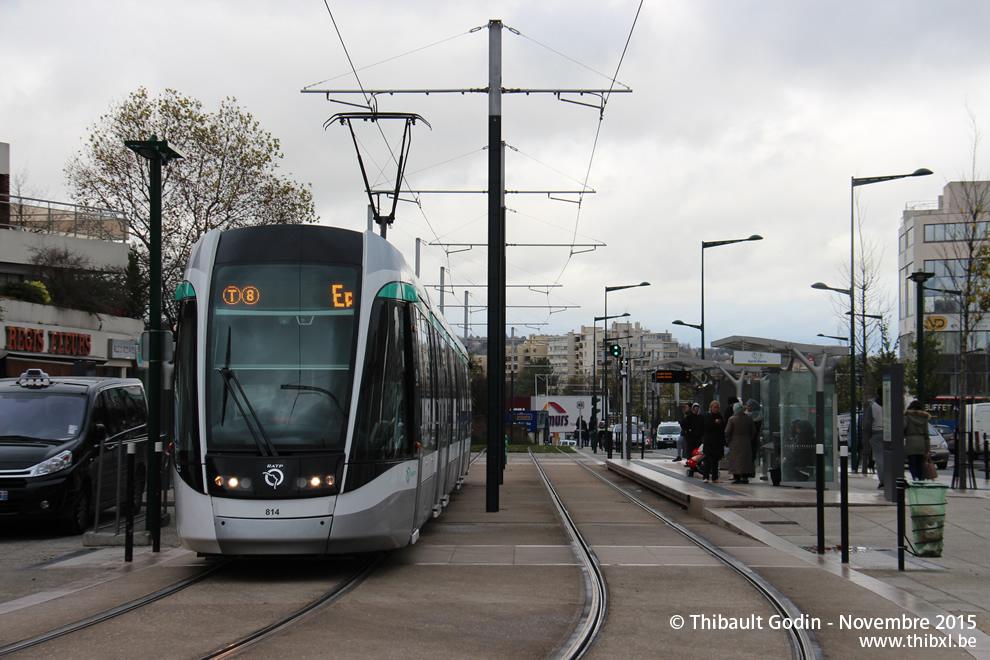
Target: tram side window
[(382, 421), (427, 384)]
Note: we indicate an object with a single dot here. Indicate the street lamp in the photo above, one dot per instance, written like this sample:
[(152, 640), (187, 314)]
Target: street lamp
[(855, 183), (594, 360), (157, 153), (704, 246), (844, 451), (607, 290), (696, 327), (833, 337)]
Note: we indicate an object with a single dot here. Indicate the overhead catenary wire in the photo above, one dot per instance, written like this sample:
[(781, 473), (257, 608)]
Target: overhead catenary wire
[(598, 130), (603, 95)]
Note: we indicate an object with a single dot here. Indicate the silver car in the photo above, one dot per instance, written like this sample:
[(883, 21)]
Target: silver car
[(939, 448)]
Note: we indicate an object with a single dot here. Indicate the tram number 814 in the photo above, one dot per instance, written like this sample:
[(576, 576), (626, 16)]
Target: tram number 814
[(271, 512)]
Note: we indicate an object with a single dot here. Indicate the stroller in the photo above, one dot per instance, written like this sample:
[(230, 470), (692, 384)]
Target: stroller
[(693, 464)]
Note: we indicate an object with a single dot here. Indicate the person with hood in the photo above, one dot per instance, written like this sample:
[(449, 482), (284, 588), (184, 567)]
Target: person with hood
[(739, 432), (714, 442), (916, 442), (694, 429)]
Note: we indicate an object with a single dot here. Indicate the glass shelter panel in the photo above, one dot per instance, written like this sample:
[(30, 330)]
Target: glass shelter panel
[(797, 417)]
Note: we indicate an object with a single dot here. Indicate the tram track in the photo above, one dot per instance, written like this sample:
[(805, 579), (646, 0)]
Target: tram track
[(113, 612), (803, 643), (366, 566), (596, 603), (365, 569)]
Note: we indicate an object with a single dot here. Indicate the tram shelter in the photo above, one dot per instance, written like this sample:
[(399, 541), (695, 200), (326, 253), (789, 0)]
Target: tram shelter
[(795, 386)]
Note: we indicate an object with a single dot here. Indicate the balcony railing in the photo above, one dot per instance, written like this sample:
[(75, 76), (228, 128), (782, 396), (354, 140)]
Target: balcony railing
[(47, 217)]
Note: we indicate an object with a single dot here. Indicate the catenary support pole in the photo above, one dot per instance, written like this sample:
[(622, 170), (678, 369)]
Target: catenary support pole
[(496, 269)]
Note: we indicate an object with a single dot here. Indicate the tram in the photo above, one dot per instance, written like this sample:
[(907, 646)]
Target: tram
[(322, 404)]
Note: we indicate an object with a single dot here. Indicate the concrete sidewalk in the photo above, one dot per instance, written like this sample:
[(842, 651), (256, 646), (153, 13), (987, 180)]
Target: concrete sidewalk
[(957, 583)]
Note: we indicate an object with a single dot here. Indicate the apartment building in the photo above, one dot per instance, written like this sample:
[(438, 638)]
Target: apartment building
[(62, 342), (935, 237)]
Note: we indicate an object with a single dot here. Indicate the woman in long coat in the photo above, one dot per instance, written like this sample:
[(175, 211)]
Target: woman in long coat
[(739, 432)]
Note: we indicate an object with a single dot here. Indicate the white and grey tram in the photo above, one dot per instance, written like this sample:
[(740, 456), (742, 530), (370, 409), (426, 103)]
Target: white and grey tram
[(322, 403)]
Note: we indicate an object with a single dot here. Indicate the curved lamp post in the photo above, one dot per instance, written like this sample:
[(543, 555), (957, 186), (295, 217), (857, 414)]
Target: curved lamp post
[(609, 289), (704, 246), (594, 359), (696, 327), (158, 153)]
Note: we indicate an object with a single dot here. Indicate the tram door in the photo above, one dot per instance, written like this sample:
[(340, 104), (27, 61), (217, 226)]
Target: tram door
[(441, 391), (426, 400)]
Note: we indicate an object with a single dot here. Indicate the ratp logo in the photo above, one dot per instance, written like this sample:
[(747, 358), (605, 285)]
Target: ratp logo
[(274, 477)]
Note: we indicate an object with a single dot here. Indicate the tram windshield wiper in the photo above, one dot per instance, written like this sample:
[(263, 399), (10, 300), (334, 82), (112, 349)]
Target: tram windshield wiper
[(264, 443), (311, 388)]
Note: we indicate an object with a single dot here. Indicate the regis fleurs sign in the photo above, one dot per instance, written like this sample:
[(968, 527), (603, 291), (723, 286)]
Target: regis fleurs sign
[(37, 340)]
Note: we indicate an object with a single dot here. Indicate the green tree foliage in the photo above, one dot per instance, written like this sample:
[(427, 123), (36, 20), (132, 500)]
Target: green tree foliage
[(228, 177), (32, 292), (931, 351), (526, 381)]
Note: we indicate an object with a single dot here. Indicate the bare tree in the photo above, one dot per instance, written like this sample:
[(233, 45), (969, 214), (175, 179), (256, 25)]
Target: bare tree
[(965, 265), (228, 177), (875, 307)]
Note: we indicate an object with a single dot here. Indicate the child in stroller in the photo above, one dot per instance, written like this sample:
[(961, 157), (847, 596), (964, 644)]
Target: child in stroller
[(693, 464)]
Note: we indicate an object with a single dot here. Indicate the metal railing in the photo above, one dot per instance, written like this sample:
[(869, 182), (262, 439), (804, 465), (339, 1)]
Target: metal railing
[(124, 492), (47, 217)]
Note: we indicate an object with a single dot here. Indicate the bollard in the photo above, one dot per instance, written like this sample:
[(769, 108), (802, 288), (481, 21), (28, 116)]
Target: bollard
[(901, 486), (844, 502), (986, 457), (820, 492), (156, 532), (129, 505)]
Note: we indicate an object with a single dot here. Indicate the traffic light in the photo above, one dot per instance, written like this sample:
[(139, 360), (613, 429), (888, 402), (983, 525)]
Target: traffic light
[(616, 350)]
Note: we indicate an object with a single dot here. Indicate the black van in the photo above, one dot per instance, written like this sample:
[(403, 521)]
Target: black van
[(59, 437)]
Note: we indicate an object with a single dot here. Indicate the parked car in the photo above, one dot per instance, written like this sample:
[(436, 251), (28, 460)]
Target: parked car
[(939, 448), (667, 434), (59, 438), (618, 432), (948, 434)]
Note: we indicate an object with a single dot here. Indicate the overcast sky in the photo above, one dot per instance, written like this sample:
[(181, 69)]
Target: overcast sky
[(746, 117)]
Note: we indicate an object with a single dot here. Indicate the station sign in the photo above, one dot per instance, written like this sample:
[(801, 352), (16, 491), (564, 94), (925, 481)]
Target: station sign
[(670, 377), (756, 359)]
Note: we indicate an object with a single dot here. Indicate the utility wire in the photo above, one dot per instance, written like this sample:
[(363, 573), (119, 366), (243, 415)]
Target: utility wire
[(348, 55), (594, 147)]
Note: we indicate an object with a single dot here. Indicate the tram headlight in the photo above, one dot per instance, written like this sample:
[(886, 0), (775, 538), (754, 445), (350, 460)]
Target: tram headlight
[(315, 481), (232, 483)]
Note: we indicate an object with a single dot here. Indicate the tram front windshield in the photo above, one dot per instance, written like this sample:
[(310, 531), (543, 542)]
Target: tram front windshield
[(280, 357)]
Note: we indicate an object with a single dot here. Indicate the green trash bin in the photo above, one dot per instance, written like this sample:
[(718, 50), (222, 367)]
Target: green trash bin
[(927, 502)]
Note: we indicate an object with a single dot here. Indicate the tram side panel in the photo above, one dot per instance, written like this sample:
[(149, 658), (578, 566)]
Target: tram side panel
[(377, 506)]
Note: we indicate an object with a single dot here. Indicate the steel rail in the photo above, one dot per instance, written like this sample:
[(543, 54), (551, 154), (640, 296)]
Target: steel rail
[(367, 567), (113, 612), (804, 643), (596, 589)]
